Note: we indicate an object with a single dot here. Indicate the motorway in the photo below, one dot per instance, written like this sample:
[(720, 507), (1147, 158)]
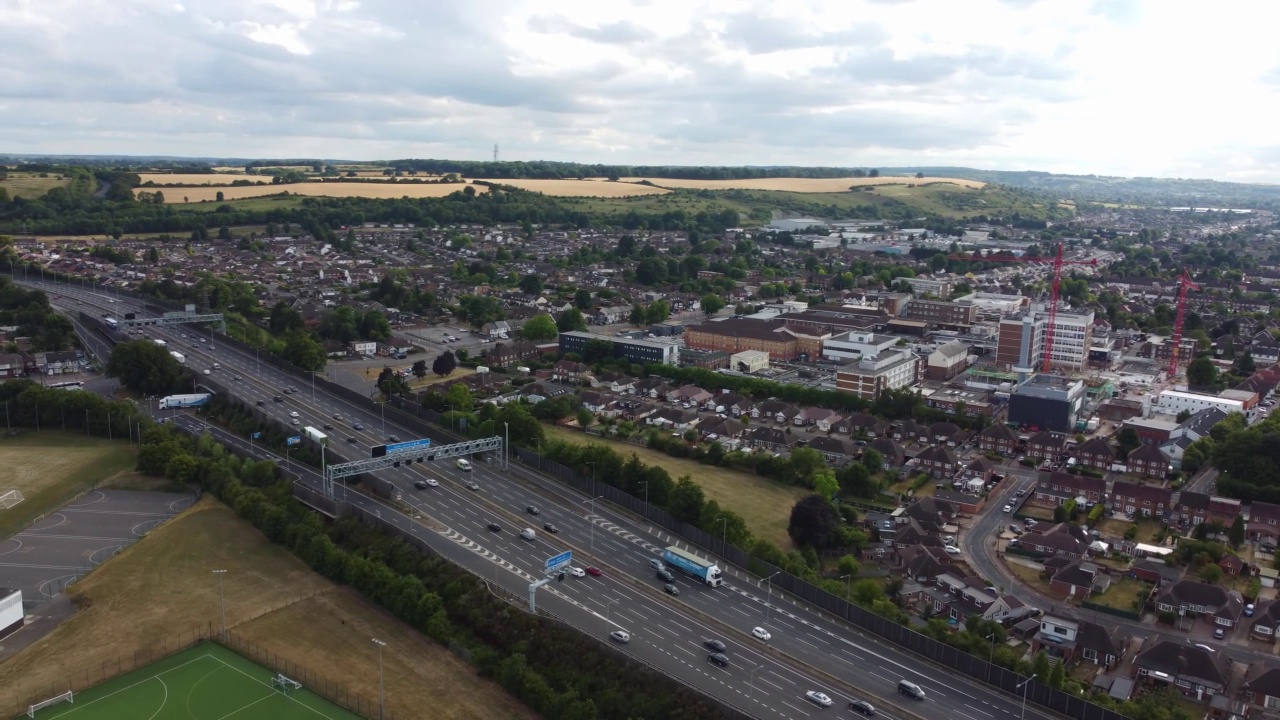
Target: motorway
[(808, 650)]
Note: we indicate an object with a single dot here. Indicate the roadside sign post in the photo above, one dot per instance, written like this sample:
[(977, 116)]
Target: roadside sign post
[(555, 562)]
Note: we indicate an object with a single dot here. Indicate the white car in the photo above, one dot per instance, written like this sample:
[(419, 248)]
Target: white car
[(1008, 508), (761, 633), (431, 482), (576, 571), (621, 636), (293, 414), (818, 698), (952, 550)]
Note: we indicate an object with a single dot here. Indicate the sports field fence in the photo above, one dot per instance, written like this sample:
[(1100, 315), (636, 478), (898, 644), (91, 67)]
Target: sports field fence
[(21, 698)]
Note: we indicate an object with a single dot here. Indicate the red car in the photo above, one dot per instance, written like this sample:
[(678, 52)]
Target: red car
[(593, 571)]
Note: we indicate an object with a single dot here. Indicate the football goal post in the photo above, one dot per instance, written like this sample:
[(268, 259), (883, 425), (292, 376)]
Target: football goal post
[(64, 697), (284, 684), (9, 498)]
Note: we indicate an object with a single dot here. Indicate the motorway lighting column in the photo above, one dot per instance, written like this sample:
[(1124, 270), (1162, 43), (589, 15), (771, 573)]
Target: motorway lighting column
[(222, 605), (769, 601)]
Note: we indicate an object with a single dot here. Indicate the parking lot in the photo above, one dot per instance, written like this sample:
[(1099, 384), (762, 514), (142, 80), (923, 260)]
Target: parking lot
[(66, 544)]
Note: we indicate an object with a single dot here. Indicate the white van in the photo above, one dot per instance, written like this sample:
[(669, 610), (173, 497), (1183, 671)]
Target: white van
[(464, 465), (528, 534)]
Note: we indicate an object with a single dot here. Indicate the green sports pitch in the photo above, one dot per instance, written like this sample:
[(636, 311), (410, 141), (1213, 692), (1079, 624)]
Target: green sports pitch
[(205, 682)]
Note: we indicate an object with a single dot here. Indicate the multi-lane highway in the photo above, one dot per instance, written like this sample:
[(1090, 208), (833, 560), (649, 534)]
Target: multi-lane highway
[(807, 651)]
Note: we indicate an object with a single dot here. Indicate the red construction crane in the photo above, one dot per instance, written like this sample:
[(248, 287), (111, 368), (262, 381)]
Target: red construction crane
[(1058, 262), (1184, 283)]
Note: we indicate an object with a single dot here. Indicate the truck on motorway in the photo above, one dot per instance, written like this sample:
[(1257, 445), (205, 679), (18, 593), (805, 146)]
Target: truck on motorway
[(704, 570), (184, 401), (160, 342), (112, 323), (182, 359), (315, 434)]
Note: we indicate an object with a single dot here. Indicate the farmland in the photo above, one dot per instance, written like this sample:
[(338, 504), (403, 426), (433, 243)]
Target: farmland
[(803, 185), (198, 178), (765, 505), (383, 191), (162, 586), (32, 185)]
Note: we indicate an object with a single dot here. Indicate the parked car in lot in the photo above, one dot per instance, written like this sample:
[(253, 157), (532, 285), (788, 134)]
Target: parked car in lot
[(952, 550)]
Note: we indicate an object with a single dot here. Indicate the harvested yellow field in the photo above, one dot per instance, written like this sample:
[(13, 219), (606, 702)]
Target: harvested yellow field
[(584, 188), (316, 189), (804, 185), (198, 178)]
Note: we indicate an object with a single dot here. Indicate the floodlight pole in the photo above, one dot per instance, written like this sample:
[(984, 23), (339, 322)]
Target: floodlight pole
[(381, 696), (222, 605)]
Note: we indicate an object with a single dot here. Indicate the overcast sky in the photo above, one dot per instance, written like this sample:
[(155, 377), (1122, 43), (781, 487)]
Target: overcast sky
[(1170, 88)]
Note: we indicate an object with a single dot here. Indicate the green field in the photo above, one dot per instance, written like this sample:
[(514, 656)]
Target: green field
[(205, 682), (32, 185), (278, 202), (50, 468)]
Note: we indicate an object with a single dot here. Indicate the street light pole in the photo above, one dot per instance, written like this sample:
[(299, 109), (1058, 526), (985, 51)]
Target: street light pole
[(381, 696), (593, 522), (849, 588), (991, 656), (222, 605), (1024, 685), (506, 446), (769, 601), (724, 535)]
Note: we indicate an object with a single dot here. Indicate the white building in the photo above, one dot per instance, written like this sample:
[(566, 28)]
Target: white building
[(855, 345), (939, 288), (872, 375), (994, 305), (749, 361), (1173, 402), (1023, 337), (11, 615)]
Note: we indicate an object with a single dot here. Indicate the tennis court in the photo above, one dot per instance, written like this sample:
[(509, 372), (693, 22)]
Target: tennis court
[(205, 682)]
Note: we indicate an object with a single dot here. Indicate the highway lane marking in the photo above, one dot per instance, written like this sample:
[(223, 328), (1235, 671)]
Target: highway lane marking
[(767, 680), (979, 710), (793, 707), (797, 638)]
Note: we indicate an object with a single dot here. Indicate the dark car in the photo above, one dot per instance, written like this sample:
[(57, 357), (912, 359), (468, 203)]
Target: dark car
[(593, 571), (665, 575), (351, 439), (714, 645), (532, 510), (862, 707), (357, 426), (495, 527), (671, 589), (260, 403), (551, 528), (327, 426), (420, 484), (277, 398), (393, 438), (718, 658)]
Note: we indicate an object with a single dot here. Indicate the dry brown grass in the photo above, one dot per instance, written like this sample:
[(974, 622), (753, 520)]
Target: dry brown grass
[(315, 189), (804, 185), (31, 185), (162, 586), (50, 468), (197, 178)]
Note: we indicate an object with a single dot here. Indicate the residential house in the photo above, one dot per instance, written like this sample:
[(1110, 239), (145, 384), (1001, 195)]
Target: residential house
[(11, 365), (770, 439), (1148, 461), (865, 425), (508, 354), (598, 403), (1144, 500), (907, 431), (1094, 453), (835, 450), (931, 510), (1081, 640), (1155, 571), (998, 438), (1056, 488), (1046, 445), (923, 564), (1193, 670), (1076, 578), (981, 468), (1264, 521), (938, 461), (1064, 539), (1265, 623), (1194, 508), (567, 371), (1262, 687), (674, 419), (822, 418), (690, 396), (893, 453), (1007, 610), (496, 330), (945, 433), (775, 410), (1194, 597), (722, 428)]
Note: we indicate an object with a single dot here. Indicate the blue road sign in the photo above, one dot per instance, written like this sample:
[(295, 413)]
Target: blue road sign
[(256, 435), (411, 445), (555, 562), (294, 440)]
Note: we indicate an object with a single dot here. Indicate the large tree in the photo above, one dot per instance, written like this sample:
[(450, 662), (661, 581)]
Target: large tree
[(814, 523), (1201, 373), (539, 328), (712, 304), (145, 367), (444, 364), (570, 320), (303, 350)]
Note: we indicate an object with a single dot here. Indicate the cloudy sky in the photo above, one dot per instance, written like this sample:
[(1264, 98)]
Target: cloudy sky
[(1171, 88)]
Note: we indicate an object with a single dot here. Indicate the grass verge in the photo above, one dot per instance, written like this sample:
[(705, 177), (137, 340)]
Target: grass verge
[(764, 504), (1123, 593), (50, 468), (162, 586)]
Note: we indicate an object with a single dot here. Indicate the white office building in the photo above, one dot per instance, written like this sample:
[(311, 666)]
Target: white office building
[(1173, 402), (855, 345)]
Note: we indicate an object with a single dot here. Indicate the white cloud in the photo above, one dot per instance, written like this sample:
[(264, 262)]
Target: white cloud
[(1134, 87)]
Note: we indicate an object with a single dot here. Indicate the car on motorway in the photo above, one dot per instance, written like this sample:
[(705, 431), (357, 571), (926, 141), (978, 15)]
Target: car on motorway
[(594, 571), (351, 440), (327, 426), (206, 372), (951, 549), (621, 636), (665, 575), (295, 421), (718, 658), (532, 510), (1008, 508), (1020, 492), (910, 689), (337, 416), (714, 645), (203, 341), (760, 633), (293, 413), (575, 571), (657, 564), (420, 484), (671, 589), (495, 527), (862, 707), (818, 698), (260, 403), (473, 485), (551, 528), (293, 388), (357, 426), (393, 438), (277, 398), (464, 465)]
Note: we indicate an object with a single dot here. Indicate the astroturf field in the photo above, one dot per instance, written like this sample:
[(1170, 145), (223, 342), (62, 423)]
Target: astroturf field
[(205, 682)]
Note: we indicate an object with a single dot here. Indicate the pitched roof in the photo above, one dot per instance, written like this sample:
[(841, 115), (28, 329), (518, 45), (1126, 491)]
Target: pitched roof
[(1185, 661)]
